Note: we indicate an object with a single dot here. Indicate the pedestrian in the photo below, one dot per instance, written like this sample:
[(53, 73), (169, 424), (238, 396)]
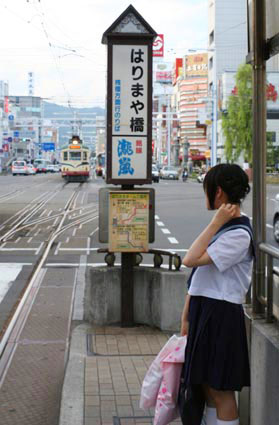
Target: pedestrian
[(216, 356)]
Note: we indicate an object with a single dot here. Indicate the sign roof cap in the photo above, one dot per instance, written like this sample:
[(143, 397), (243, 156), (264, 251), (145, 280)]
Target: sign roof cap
[(129, 23)]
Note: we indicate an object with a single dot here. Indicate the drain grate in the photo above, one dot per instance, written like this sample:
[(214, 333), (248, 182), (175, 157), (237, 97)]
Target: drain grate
[(91, 350), (123, 345)]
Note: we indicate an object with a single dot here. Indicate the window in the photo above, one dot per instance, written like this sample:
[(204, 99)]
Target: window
[(65, 156), (85, 156), (75, 156), (211, 63), (211, 37)]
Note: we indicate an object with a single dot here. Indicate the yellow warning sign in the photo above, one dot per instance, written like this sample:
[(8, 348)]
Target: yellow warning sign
[(128, 221)]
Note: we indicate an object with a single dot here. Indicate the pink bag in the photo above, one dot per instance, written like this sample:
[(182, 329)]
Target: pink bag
[(166, 407), (161, 382)]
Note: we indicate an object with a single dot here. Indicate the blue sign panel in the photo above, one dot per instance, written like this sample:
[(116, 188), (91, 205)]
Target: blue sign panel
[(16, 133), (10, 139), (48, 146), (11, 117)]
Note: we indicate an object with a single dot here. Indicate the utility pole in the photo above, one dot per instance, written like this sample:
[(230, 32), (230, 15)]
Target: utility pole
[(259, 148), (169, 131)]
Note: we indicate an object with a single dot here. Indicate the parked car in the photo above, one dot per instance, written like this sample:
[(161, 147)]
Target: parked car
[(31, 169), (201, 177), (169, 173), (56, 168), (155, 174), (19, 167)]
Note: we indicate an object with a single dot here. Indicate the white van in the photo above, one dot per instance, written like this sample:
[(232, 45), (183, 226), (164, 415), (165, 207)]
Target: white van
[(19, 167)]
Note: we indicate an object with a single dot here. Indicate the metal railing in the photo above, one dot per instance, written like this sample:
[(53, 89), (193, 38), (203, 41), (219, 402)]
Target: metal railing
[(265, 293)]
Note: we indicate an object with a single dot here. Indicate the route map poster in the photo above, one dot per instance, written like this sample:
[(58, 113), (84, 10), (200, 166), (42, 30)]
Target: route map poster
[(128, 222)]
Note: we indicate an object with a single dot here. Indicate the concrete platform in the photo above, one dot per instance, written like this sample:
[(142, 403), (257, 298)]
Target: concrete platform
[(105, 370)]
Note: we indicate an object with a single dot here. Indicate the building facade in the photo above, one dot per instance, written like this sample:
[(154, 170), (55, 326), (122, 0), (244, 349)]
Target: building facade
[(191, 97), (227, 49)]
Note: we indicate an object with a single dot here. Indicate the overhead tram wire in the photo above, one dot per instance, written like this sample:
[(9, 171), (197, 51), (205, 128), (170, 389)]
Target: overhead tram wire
[(41, 13), (29, 22)]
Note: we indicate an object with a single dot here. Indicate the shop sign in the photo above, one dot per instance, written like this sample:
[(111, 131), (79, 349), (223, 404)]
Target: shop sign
[(158, 46)]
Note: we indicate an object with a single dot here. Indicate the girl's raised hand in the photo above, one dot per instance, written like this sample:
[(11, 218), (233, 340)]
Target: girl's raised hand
[(224, 214)]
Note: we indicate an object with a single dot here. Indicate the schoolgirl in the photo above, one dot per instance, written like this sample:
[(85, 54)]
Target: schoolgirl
[(216, 357)]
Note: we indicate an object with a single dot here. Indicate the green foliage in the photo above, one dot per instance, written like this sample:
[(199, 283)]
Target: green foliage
[(237, 121), (272, 152)]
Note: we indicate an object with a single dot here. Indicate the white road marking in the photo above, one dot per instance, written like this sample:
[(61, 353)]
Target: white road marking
[(39, 249), (269, 226), (166, 231), (18, 249), (30, 239), (163, 266), (78, 249), (8, 274), (88, 246), (74, 231), (18, 239), (80, 226), (57, 248), (156, 217), (94, 231), (49, 213), (160, 223), (173, 240)]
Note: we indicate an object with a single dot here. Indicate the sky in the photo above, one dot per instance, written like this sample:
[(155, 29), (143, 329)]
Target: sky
[(60, 42)]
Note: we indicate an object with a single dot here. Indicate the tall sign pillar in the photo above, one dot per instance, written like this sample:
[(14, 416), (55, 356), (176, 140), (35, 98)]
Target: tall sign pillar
[(129, 142), (129, 99)]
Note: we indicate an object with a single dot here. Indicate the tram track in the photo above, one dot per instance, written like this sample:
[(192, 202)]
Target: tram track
[(27, 212), (12, 329)]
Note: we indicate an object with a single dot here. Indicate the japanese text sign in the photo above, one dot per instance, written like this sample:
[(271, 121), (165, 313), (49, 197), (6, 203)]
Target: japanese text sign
[(130, 111), (129, 99), (128, 222)]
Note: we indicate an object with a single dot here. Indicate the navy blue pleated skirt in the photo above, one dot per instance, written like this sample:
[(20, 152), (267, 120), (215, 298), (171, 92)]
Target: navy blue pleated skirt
[(216, 351)]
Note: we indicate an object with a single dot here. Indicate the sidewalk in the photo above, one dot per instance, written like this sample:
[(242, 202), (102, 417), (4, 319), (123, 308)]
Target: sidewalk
[(104, 375)]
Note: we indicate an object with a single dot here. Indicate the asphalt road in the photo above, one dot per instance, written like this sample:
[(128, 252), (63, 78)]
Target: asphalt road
[(180, 211)]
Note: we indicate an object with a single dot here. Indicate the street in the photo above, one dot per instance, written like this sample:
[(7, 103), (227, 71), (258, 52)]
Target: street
[(180, 216), (48, 238)]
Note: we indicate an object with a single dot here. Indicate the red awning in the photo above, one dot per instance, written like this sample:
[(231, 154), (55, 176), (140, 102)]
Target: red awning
[(198, 157)]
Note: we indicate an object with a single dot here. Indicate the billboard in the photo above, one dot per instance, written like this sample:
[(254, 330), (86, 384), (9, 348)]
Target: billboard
[(163, 72), (177, 70), (158, 46), (197, 65)]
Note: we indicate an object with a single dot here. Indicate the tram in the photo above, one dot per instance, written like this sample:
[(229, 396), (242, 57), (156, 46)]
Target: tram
[(75, 166)]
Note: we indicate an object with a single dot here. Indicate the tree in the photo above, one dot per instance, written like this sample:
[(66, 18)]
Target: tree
[(237, 120), (272, 152)]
